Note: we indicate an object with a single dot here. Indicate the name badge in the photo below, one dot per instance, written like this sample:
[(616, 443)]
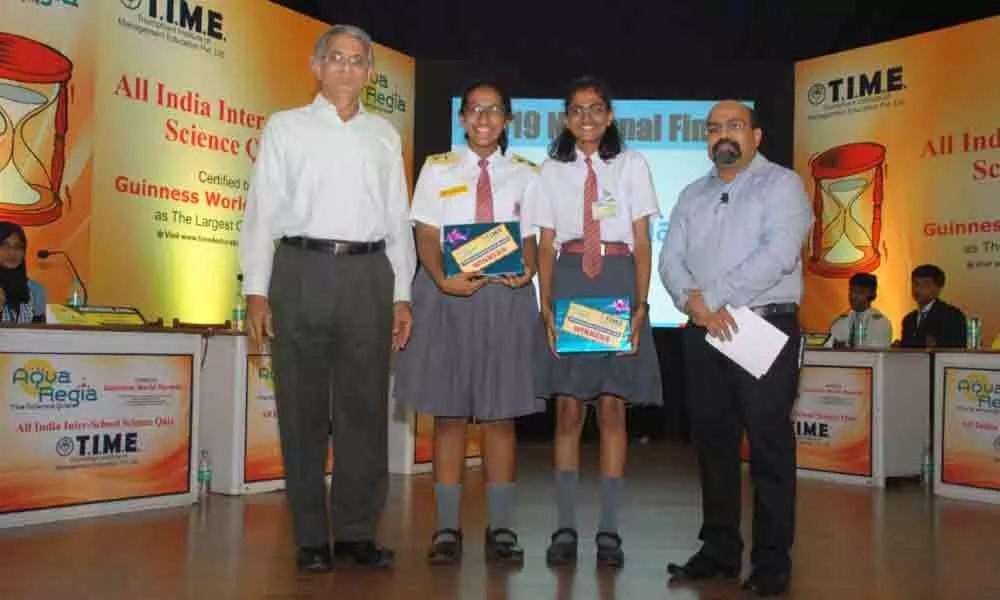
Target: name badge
[(454, 191), (606, 207)]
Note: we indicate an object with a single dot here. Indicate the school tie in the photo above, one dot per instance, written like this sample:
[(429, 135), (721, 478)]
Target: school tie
[(853, 325), (591, 226), (484, 194)]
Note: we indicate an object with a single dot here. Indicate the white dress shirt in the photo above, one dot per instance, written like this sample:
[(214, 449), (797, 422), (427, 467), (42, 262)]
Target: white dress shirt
[(321, 177), (625, 181), (879, 328), (445, 193)]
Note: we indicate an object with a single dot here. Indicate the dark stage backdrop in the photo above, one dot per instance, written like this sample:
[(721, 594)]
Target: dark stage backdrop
[(770, 86)]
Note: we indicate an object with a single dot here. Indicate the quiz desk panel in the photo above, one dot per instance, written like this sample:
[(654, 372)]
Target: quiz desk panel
[(96, 421), (109, 420)]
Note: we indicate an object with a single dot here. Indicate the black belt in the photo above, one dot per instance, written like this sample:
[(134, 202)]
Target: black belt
[(336, 247), (776, 309)]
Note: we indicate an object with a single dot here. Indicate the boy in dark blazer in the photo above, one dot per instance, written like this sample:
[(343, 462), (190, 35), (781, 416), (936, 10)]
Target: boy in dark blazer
[(935, 323)]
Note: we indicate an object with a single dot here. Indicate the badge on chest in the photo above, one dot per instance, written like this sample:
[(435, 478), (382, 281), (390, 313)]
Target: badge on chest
[(606, 206)]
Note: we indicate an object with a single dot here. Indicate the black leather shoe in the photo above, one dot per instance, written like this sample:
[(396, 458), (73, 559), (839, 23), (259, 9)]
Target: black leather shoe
[(609, 550), (766, 583), (700, 567), (501, 547), (563, 549), (316, 560), (365, 554), (446, 547)]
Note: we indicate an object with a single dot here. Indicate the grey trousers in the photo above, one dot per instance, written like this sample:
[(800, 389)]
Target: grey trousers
[(332, 319)]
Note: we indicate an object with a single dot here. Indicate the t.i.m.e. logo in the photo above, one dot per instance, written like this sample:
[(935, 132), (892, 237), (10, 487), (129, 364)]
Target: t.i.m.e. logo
[(183, 14)]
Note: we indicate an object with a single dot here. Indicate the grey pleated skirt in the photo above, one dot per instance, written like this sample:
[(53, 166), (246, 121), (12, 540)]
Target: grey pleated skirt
[(470, 357), (635, 378)]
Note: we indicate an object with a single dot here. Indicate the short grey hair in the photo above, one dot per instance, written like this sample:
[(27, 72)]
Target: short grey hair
[(319, 52)]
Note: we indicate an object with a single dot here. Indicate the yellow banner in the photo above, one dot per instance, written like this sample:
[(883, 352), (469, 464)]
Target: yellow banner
[(970, 448), (77, 429), (134, 127), (899, 147)]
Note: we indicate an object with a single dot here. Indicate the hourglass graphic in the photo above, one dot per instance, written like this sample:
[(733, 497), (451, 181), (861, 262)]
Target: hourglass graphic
[(847, 202), (33, 126)]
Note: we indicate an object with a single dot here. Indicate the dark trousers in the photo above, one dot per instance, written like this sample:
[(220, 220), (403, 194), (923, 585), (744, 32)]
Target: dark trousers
[(724, 401), (332, 319)]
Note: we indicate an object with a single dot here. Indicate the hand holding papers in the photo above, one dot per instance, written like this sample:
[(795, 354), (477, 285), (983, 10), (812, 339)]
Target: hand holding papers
[(754, 345)]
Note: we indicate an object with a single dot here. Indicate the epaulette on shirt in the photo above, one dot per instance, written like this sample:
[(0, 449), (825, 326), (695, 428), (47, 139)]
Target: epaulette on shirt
[(877, 315), (524, 161), (445, 158), (843, 316)]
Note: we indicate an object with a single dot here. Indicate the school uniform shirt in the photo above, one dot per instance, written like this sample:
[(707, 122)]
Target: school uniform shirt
[(445, 193), (878, 334), (319, 176), (624, 188)]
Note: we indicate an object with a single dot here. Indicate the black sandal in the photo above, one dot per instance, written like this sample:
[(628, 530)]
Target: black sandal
[(505, 550), (609, 555), (562, 552), (445, 551)]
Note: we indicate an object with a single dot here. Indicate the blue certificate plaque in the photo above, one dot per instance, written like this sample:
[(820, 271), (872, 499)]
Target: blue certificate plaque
[(493, 249), (593, 324)]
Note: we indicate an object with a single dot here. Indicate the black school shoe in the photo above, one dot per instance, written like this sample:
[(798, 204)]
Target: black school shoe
[(445, 550), (609, 553), (501, 547), (563, 549)]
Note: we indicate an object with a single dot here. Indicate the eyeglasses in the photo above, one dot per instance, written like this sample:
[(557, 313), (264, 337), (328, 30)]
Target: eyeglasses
[(714, 128), (356, 61), (492, 111), (577, 111)]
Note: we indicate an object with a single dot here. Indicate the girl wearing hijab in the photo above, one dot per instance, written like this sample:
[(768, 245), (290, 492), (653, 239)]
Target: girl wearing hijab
[(21, 299)]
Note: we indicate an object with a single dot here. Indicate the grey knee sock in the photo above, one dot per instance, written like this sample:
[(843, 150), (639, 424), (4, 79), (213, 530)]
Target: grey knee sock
[(500, 498), (611, 488), (566, 498), (448, 498)]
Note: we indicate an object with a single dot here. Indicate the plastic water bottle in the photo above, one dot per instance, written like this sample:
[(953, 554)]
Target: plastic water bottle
[(973, 333), (75, 294), (860, 331), (204, 476), (927, 467), (240, 308)]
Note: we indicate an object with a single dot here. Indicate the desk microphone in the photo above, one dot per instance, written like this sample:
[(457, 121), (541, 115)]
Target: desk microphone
[(724, 199), (43, 254)]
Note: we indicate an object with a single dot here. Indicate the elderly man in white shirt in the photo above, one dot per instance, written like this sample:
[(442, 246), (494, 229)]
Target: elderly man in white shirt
[(333, 297)]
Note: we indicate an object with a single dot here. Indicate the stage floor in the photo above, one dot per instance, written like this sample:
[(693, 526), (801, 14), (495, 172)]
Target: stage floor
[(852, 543)]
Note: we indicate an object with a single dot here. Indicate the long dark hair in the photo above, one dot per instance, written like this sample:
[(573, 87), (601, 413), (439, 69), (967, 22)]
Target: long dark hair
[(504, 99), (14, 281), (563, 147)]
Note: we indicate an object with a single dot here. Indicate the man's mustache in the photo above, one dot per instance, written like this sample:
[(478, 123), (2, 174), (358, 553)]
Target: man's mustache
[(726, 152)]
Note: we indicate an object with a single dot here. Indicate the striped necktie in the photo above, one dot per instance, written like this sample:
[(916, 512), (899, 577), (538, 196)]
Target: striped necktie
[(591, 227), (484, 194)]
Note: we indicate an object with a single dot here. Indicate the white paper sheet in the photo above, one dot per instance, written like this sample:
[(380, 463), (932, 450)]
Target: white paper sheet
[(756, 344)]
